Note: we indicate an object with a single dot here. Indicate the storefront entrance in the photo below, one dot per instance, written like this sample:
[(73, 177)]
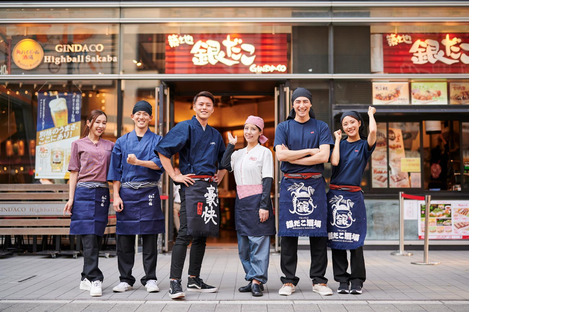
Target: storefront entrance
[(235, 101)]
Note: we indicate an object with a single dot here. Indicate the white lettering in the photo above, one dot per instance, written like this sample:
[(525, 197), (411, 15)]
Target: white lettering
[(77, 47), (267, 68)]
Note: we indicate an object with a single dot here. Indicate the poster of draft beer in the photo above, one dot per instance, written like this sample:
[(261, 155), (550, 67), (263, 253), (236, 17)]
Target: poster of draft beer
[(58, 124)]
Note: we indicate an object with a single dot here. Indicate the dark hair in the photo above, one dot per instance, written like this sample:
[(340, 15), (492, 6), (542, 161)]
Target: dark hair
[(362, 130), (206, 94), (93, 115)]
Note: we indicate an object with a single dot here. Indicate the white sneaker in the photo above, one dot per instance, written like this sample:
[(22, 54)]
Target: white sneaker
[(85, 284), (151, 286), (96, 289), (122, 287), (287, 289), (322, 289)]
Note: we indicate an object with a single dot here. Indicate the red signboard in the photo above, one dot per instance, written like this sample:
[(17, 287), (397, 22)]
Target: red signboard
[(426, 53), (226, 53)]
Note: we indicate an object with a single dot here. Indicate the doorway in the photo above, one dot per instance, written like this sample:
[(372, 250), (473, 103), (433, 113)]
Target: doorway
[(235, 101)]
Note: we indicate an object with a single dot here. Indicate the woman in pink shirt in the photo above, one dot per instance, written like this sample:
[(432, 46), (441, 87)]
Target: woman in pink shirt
[(88, 201)]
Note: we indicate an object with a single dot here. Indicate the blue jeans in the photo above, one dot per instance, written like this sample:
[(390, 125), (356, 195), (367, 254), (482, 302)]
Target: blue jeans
[(254, 253)]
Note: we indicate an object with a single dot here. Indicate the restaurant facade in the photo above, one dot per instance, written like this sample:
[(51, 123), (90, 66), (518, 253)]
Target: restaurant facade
[(408, 59)]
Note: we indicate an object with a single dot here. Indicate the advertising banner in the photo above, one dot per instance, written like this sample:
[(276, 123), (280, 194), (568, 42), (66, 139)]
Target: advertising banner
[(226, 53), (58, 125), (426, 53), (390, 93), (447, 220)]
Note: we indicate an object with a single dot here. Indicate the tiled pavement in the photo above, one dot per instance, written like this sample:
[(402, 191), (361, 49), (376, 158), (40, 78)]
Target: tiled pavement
[(34, 283)]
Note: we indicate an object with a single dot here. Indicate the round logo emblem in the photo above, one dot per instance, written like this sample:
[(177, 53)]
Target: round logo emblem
[(27, 54)]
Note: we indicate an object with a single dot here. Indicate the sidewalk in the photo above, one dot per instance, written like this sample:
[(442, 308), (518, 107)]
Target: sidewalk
[(34, 283)]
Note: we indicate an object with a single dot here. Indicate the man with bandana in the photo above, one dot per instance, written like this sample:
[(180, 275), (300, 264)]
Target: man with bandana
[(135, 171), (302, 144)]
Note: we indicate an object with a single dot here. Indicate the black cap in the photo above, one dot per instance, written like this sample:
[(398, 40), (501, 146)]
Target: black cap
[(142, 106)]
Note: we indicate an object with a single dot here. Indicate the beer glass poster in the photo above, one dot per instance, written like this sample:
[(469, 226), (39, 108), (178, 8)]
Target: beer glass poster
[(58, 124)]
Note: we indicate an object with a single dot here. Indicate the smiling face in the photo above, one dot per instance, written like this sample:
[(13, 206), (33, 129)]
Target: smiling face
[(302, 107), (141, 119), (350, 126), (203, 107), (97, 128), (251, 133)]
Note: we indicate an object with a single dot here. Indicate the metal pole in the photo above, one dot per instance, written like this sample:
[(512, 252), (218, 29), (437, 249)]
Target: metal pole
[(426, 240), (401, 251)]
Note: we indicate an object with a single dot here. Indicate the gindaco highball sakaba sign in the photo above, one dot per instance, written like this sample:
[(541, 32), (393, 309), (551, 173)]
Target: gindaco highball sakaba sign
[(95, 54)]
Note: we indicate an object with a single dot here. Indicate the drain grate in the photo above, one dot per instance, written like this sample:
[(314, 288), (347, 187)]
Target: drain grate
[(23, 280)]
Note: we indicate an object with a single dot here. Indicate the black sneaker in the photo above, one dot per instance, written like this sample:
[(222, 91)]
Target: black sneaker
[(175, 291), (343, 288), (356, 287), (197, 284), (248, 288)]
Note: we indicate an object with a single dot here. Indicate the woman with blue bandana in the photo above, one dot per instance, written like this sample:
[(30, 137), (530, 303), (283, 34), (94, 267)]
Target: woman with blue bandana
[(346, 208)]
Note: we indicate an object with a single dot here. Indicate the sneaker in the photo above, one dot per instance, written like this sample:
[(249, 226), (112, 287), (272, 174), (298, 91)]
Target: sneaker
[(287, 289), (85, 284), (322, 289), (122, 287), (175, 291), (151, 286), (197, 284), (356, 288), (343, 288), (96, 288)]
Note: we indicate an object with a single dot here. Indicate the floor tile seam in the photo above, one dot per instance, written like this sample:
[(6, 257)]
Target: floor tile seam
[(246, 302)]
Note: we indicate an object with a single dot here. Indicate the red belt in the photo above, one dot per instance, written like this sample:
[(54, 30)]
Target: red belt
[(305, 175), (349, 188), (202, 177)]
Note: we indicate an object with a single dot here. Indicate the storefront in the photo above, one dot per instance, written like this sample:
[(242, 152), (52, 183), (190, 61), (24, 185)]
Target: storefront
[(60, 60)]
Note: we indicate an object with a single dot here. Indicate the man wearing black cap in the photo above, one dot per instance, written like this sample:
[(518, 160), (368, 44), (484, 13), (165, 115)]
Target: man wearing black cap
[(135, 171), (302, 144)]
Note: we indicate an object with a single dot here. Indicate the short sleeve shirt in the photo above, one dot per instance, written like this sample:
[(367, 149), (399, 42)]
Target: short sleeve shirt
[(90, 160), (251, 167), (297, 136), (353, 160)]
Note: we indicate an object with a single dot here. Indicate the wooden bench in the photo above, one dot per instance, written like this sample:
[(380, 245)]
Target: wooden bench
[(34, 210)]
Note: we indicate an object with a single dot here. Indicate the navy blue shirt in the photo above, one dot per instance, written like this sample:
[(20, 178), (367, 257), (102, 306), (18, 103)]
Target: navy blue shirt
[(121, 170), (353, 160), (297, 136), (199, 150)]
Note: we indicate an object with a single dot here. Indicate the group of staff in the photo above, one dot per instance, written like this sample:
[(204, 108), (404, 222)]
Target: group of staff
[(302, 143)]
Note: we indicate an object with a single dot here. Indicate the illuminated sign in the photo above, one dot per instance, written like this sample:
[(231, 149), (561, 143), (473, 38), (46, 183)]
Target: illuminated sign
[(426, 53), (226, 53), (27, 54)]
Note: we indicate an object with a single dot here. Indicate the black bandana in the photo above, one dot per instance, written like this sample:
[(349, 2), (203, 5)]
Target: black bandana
[(143, 106)]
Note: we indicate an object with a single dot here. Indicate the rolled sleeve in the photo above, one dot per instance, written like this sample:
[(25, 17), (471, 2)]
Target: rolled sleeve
[(173, 141), (74, 163)]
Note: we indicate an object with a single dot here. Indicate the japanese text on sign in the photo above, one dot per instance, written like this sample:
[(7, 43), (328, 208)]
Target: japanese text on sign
[(448, 51)]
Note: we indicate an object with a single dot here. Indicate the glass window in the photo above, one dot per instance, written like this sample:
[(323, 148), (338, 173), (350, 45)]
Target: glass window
[(61, 49), (352, 49), (133, 92), (34, 138)]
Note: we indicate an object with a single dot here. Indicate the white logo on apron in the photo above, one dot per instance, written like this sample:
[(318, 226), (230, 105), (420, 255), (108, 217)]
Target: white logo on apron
[(151, 197), (302, 199), (341, 213), (209, 213), (103, 200)]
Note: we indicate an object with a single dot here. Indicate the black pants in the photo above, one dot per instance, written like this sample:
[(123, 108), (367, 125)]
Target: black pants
[(289, 259), (91, 245), (179, 251), (357, 265), (126, 257)]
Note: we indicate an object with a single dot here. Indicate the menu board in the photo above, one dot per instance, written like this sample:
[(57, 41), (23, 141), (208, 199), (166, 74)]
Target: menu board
[(447, 220), (398, 177), (390, 93), (459, 93), (432, 93), (380, 171), (57, 126)]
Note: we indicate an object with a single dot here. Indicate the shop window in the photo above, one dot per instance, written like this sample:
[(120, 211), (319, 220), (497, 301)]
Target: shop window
[(352, 49), (39, 120), (310, 49)]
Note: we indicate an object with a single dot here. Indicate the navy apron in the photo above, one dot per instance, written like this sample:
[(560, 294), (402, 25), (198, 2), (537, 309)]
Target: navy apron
[(90, 211), (202, 208), (248, 218), (302, 207), (347, 219), (141, 213)]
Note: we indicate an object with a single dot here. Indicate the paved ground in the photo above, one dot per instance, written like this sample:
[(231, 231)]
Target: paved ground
[(34, 283)]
